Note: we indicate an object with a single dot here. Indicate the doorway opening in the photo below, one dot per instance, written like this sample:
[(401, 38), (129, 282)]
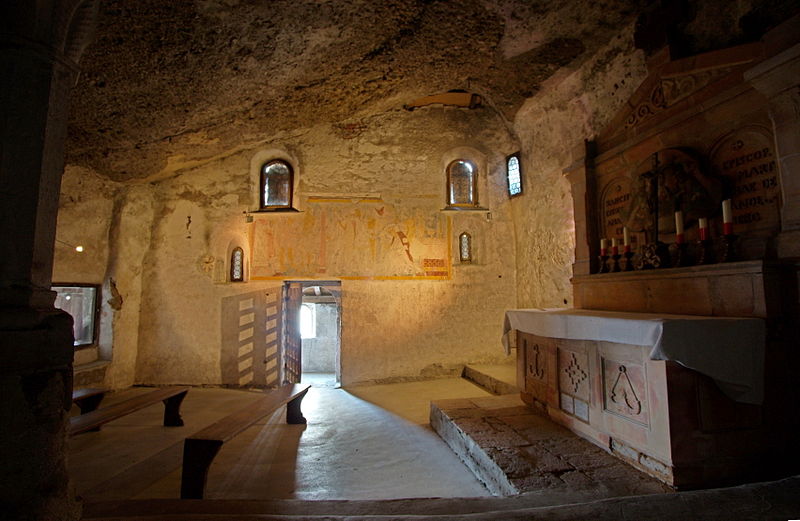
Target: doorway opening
[(312, 343)]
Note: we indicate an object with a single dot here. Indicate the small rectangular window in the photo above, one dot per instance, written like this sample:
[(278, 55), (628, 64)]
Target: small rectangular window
[(80, 301), (514, 175)]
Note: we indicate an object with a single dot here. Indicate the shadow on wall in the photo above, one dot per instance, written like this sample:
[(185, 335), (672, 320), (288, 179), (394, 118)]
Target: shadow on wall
[(250, 354)]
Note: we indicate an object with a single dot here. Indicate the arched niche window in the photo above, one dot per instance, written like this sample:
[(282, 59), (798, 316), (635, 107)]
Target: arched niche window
[(277, 180), (462, 184), (237, 265), (514, 175), (465, 247)]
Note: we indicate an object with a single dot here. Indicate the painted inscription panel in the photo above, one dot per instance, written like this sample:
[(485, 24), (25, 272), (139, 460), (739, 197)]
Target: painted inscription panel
[(747, 159), (352, 239), (614, 206), (624, 390)]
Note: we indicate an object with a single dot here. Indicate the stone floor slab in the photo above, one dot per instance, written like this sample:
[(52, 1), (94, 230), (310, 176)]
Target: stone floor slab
[(510, 443)]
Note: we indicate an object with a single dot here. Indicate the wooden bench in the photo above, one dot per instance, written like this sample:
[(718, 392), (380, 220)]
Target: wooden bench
[(200, 449), (171, 396), (88, 399)]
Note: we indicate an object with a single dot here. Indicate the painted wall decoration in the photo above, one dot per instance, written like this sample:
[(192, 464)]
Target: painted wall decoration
[(351, 238)]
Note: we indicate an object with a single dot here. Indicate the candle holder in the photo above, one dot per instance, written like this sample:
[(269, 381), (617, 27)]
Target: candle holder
[(628, 260), (615, 265), (682, 258), (603, 263), (707, 254), (729, 247)]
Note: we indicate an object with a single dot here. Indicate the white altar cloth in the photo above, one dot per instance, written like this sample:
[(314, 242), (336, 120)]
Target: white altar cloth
[(729, 350)]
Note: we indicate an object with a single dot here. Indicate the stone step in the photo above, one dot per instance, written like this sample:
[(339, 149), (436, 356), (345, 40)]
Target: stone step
[(773, 500), (496, 379), (512, 450), (91, 374)]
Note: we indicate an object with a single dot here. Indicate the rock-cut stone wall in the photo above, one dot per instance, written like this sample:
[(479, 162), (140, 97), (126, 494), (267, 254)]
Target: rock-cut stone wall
[(369, 196), (574, 106)]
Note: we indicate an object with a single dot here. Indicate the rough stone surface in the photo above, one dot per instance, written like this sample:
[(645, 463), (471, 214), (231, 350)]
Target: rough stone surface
[(552, 128), (760, 501), (166, 84), (176, 101), (532, 453)]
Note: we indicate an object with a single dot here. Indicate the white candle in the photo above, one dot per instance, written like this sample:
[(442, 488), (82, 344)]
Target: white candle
[(626, 237), (727, 214), (703, 224), (679, 222), (603, 244)]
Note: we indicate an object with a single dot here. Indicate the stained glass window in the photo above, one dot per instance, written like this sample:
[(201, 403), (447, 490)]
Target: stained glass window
[(237, 265), (276, 185), (462, 183), (465, 247), (514, 175)]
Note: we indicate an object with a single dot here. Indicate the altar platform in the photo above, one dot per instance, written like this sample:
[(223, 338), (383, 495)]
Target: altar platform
[(676, 396), (515, 450)]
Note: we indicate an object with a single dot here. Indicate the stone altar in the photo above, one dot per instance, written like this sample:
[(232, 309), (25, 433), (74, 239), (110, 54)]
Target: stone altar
[(621, 380)]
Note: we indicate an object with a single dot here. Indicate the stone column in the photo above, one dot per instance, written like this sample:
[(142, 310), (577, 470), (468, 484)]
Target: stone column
[(35, 339), (581, 180), (778, 78)]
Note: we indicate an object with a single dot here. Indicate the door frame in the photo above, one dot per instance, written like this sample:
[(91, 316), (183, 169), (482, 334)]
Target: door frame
[(296, 365)]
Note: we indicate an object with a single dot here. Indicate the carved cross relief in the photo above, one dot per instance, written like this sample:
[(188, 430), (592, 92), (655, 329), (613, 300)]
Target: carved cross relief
[(575, 373)]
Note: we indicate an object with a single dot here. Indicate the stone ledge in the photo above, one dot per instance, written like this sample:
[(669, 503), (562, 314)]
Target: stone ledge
[(91, 374), (488, 382)]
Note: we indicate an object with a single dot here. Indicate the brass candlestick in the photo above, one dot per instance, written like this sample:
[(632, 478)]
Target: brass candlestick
[(603, 263), (681, 256), (707, 254), (628, 260), (729, 247), (615, 265)]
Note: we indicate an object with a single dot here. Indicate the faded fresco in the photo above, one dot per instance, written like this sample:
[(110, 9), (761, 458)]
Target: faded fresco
[(352, 239)]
